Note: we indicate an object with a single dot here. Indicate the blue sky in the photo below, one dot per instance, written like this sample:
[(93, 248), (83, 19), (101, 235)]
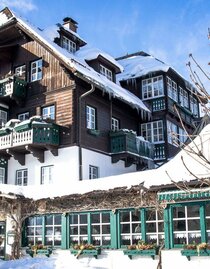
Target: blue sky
[(168, 29)]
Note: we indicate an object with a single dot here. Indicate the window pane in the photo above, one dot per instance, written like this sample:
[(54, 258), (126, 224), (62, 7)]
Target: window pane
[(49, 220)]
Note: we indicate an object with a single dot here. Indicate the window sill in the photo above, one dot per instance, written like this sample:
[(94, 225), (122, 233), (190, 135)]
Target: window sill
[(93, 132)]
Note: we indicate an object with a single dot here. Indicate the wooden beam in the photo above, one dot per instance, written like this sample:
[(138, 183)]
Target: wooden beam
[(20, 157), (37, 153)]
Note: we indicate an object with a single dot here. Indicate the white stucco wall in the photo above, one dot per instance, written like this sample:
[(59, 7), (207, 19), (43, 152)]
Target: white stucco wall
[(104, 163), (66, 166)]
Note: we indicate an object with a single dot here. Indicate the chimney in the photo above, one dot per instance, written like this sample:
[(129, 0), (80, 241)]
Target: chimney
[(70, 24)]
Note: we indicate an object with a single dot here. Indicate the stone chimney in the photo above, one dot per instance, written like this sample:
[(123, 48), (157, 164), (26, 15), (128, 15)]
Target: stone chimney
[(70, 24)]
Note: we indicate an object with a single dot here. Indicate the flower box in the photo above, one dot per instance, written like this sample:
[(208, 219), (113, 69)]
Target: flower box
[(93, 132), (139, 252), (86, 252), (32, 252), (194, 252)]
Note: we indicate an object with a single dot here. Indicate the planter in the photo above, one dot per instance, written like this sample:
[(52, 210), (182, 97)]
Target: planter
[(139, 252), (193, 252), (93, 132), (47, 252), (86, 252)]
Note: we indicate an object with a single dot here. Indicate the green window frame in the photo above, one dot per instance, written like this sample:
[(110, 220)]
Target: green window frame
[(46, 230), (187, 226), (92, 228)]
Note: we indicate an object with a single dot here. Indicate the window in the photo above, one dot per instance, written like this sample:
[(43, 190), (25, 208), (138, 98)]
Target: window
[(48, 112), (69, 45), (172, 130), (130, 227), (193, 105), (22, 177), (100, 229), (53, 230), (183, 98), (172, 89), (49, 224), (106, 72), (93, 172), (23, 116), (46, 174), (34, 230), (182, 136), (154, 226), (2, 175), (153, 131), (3, 118), (115, 124), (90, 117), (186, 224), (20, 72), (36, 70), (90, 227), (152, 87)]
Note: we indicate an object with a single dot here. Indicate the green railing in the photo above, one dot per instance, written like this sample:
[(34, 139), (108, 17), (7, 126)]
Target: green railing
[(159, 151), (158, 104), (48, 134), (127, 141), (13, 86)]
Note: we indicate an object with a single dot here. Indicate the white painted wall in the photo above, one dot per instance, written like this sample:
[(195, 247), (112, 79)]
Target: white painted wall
[(115, 259), (66, 166), (104, 163)]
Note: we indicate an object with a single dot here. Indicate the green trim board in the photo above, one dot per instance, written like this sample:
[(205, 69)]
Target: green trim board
[(184, 195)]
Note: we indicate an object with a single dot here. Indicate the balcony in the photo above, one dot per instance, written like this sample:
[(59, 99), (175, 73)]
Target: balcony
[(29, 137), (125, 145), (14, 88)]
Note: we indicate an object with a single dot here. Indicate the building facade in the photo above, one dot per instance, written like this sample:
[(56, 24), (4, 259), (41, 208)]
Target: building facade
[(172, 100)]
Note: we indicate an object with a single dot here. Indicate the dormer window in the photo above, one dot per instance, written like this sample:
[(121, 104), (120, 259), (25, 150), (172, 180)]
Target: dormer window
[(69, 45), (106, 72)]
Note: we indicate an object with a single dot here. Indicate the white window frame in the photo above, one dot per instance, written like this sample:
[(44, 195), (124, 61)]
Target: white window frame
[(2, 175), (23, 116), (48, 112), (101, 236), (153, 131), (193, 105), (21, 177), (135, 234), (106, 72), (90, 117), (3, 117), (152, 87), (115, 124), (47, 174), (79, 225), (185, 219), (157, 235), (183, 98), (182, 136), (93, 172), (36, 70), (172, 133), (36, 229), (69, 45), (172, 89), (20, 71), (56, 230)]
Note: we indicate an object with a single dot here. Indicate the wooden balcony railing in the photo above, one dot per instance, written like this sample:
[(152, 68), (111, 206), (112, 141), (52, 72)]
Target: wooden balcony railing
[(14, 87), (127, 141)]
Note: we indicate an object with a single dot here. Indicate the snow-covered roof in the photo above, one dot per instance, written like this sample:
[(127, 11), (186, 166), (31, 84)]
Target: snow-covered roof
[(137, 66), (78, 64), (89, 53), (189, 165), (141, 65)]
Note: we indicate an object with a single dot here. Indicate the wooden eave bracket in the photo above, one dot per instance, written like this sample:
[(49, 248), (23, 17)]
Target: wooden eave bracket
[(37, 153), (52, 149), (20, 157)]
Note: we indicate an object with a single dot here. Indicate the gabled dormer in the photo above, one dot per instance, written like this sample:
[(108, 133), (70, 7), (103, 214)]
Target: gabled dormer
[(101, 62), (69, 39)]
